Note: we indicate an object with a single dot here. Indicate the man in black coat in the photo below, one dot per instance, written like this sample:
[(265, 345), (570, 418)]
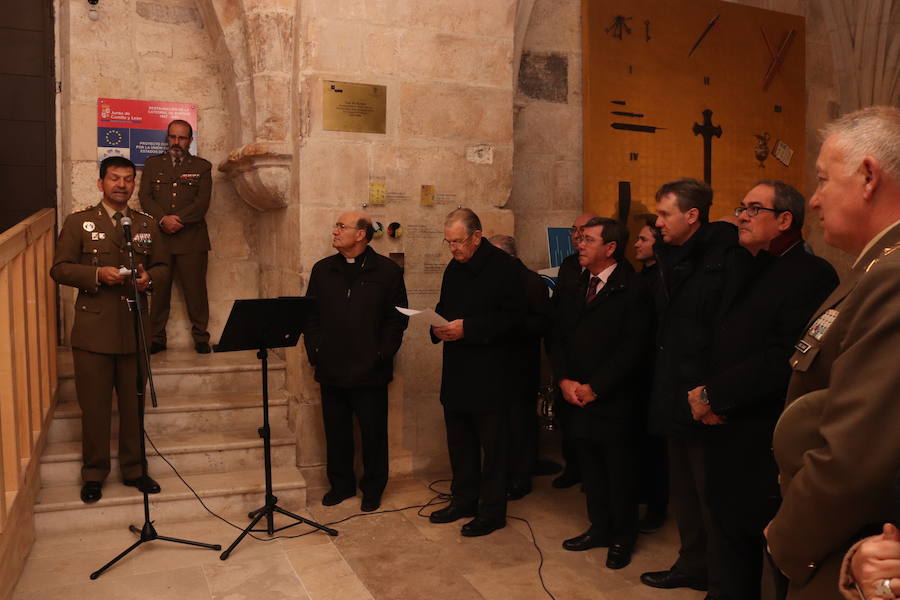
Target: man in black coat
[(753, 344), (483, 298), (351, 339), (601, 338), (522, 451), (567, 280), (704, 269)]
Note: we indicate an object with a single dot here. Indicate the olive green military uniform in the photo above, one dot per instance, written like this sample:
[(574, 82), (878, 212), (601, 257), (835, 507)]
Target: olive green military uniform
[(103, 344), (182, 190)]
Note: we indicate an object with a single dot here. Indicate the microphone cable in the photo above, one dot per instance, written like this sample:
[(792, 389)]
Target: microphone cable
[(438, 499)]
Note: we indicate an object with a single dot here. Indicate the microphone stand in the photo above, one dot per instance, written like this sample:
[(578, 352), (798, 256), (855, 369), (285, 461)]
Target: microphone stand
[(142, 357)]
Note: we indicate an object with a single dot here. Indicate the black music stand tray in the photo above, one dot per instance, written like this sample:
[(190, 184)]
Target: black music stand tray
[(260, 325)]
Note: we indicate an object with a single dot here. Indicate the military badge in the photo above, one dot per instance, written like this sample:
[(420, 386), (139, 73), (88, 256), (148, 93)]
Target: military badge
[(88, 226), (820, 326), (189, 177), (95, 236), (142, 240)]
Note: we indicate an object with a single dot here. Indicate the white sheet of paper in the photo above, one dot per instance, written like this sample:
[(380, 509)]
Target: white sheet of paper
[(427, 315)]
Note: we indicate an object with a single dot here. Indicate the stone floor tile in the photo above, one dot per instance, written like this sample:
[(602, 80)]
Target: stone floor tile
[(180, 584), (269, 577), (326, 575)]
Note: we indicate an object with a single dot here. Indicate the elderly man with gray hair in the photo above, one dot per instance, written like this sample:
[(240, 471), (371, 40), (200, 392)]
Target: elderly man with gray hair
[(483, 298)]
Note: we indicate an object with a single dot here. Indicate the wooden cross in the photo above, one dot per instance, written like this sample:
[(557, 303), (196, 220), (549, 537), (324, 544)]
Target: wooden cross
[(707, 130)]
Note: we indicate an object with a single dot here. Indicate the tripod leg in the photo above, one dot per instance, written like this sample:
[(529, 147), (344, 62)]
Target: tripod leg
[(102, 569), (259, 515), (190, 543), (328, 530)]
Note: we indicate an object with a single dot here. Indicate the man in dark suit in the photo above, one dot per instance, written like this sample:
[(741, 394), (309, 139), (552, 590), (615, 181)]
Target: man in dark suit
[(175, 189), (90, 254), (704, 269), (351, 339), (601, 338), (523, 422), (568, 278), (483, 298), (754, 341)]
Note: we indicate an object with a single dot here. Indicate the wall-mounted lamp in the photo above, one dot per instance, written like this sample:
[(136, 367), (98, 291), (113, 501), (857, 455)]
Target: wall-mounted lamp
[(93, 15)]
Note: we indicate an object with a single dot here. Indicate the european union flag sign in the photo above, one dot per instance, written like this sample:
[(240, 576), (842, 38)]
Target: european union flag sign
[(136, 129)]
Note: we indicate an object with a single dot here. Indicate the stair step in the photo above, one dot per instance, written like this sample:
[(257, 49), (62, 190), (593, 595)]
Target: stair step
[(183, 372), (205, 412), (190, 452), (59, 509)]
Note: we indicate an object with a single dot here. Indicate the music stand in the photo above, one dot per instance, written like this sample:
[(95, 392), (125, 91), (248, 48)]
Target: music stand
[(260, 325)]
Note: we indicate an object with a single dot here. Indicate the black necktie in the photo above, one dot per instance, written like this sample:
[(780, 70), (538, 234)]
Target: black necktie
[(118, 219), (593, 284)]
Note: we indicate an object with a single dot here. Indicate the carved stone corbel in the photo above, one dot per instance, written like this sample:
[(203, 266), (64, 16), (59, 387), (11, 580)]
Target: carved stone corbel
[(261, 174)]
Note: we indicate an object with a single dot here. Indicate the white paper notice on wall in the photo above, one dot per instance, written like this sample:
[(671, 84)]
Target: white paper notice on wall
[(427, 316)]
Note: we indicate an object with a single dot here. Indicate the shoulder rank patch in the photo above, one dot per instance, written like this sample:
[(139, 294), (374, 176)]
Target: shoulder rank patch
[(820, 326)]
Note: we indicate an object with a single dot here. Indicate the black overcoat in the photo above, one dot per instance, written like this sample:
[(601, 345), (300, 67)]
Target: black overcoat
[(480, 372)]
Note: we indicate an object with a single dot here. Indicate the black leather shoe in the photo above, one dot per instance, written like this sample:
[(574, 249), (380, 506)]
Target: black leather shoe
[(144, 483), (482, 526), (333, 497), (156, 347), (618, 557), (672, 579), (651, 522), (451, 513), (566, 480), (370, 503), (586, 541), (91, 491), (202, 348), (517, 492)]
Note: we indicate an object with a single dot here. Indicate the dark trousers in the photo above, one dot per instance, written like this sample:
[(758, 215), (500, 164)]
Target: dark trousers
[(654, 483), (96, 375), (190, 272), (741, 501), (477, 444), (567, 414), (523, 440), (698, 555), (370, 405), (608, 469)]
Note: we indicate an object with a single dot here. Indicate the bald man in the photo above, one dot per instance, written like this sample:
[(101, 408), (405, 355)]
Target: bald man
[(351, 340), (570, 273)]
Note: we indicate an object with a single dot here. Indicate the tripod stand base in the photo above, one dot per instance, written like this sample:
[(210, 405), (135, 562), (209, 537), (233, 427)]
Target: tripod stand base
[(271, 507), (148, 534)]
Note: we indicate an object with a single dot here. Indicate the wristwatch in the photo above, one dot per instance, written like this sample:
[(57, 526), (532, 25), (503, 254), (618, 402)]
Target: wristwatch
[(704, 397)]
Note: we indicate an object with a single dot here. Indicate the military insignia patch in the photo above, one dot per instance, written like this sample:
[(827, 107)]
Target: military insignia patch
[(820, 327), (88, 226), (189, 177), (143, 240)]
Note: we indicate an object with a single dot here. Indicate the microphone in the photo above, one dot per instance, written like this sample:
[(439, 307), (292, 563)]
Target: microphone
[(126, 227)]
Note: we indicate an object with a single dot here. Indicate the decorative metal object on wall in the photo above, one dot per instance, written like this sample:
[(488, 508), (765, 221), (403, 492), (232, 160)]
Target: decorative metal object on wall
[(761, 149)]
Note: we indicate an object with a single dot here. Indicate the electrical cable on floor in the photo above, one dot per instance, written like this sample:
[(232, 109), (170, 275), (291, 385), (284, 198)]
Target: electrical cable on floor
[(438, 499)]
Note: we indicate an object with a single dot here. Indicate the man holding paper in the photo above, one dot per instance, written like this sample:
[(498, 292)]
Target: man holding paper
[(351, 339), (483, 298)]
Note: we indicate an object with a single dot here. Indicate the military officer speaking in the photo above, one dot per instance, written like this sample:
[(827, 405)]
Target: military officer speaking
[(90, 254), (175, 189)]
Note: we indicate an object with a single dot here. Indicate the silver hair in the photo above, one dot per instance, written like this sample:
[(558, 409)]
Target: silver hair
[(507, 243), (872, 131)]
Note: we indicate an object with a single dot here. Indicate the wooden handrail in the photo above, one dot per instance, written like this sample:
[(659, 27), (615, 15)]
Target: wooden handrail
[(28, 378)]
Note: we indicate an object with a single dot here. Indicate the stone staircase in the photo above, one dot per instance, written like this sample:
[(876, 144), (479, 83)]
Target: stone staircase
[(206, 425)]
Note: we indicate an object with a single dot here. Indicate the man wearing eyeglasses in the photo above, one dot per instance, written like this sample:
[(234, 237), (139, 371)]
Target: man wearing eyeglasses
[(601, 338), (483, 297), (754, 342), (351, 339)]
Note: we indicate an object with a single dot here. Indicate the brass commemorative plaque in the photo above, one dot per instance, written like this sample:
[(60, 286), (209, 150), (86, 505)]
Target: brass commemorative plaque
[(358, 107)]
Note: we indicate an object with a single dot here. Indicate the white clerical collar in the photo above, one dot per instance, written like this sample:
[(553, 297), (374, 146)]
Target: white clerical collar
[(875, 240)]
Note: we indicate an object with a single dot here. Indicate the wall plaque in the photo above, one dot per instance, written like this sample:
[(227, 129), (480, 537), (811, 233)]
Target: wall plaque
[(358, 107)]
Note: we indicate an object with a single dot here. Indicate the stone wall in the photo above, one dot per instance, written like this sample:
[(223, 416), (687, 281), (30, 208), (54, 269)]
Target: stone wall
[(447, 66), (151, 50)]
